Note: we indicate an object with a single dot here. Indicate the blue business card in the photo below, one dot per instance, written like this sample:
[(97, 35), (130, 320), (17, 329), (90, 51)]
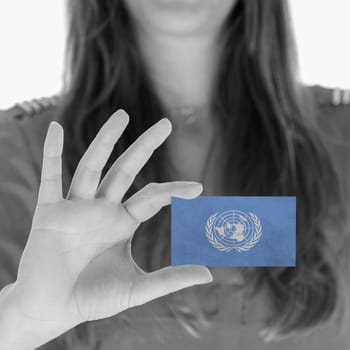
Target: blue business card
[(233, 231)]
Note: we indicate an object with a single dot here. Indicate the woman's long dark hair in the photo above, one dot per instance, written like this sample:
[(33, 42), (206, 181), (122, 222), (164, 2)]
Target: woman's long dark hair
[(272, 147)]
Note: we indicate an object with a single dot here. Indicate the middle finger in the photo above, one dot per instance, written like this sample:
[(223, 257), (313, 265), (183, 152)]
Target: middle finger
[(88, 172)]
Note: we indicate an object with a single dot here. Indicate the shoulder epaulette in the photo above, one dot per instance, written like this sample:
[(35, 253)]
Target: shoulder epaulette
[(333, 97), (36, 106), (31, 107), (340, 96)]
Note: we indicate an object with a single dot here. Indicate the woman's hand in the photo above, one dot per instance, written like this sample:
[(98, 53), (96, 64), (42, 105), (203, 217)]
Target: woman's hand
[(77, 264)]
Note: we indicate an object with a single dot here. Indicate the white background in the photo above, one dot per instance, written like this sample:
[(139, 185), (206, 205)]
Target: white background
[(32, 35)]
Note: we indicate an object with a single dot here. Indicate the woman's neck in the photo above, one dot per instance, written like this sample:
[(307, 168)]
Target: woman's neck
[(181, 68)]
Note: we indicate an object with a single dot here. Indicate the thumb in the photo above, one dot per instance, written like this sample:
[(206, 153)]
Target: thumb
[(167, 280)]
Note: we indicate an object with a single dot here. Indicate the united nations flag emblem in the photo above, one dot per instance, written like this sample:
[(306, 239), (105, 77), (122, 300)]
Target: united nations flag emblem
[(233, 229)]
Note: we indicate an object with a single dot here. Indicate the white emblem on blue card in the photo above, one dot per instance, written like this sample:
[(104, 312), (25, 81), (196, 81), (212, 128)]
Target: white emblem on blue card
[(233, 230)]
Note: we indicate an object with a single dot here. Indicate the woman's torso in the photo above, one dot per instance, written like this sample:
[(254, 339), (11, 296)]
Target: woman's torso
[(157, 324)]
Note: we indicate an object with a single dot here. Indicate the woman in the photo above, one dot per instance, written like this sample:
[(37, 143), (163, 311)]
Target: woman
[(224, 74)]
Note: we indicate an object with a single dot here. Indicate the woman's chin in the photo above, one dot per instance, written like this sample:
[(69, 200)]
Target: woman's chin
[(180, 17), (179, 20)]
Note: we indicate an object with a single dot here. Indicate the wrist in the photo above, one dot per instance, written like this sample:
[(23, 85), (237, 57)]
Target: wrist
[(18, 331)]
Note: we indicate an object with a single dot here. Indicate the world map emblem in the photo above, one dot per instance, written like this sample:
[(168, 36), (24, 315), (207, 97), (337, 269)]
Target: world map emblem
[(233, 230)]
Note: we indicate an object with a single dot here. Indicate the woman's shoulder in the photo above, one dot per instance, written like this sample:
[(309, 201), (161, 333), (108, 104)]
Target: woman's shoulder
[(30, 112), (22, 134), (333, 121), (23, 126), (333, 110)]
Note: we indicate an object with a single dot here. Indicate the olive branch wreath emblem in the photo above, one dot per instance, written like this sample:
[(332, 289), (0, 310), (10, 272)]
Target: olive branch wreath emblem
[(246, 246)]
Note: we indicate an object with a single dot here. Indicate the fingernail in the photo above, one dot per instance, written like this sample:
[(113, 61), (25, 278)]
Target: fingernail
[(208, 276), (55, 127), (166, 122), (120, 114), (197, 187), (54, 124), (196, 184)]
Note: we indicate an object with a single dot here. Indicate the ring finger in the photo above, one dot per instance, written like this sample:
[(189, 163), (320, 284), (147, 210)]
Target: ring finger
[(123, 172)]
